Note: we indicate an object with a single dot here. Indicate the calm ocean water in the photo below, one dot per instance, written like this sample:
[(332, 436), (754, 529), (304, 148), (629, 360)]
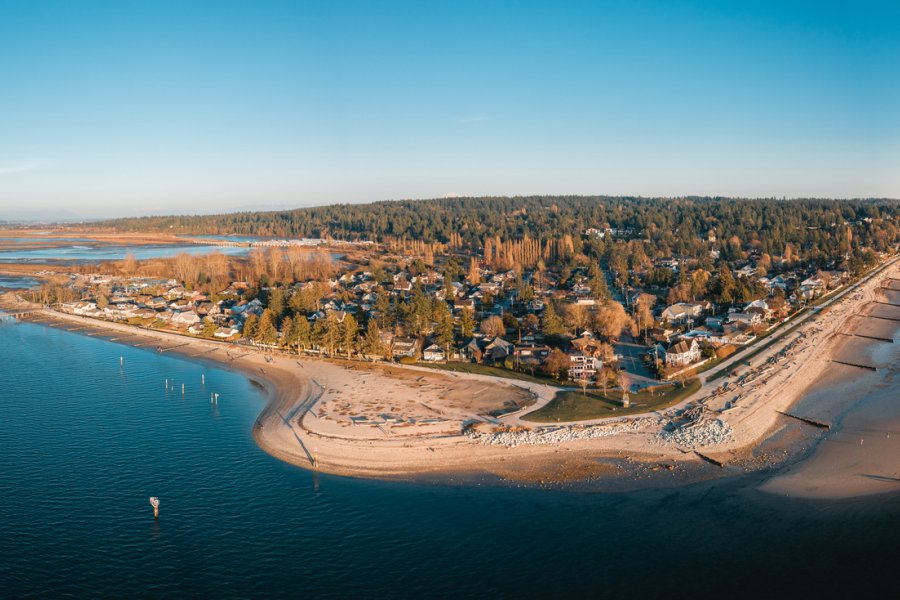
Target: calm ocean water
[(83, 252), (84, 442)]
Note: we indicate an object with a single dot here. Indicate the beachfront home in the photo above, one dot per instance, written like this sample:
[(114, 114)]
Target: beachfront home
[(747, 319), (683, 353), (405, 347), (583, 366), (433, 353), (185, 317), (225, 332)]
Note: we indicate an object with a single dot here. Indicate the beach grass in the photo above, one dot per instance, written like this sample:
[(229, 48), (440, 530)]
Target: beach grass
[(575, 405)]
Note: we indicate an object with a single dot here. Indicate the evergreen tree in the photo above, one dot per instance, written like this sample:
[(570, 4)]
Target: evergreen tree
[(467, 322), (597, 283), (251, 327), (266, 333), (372, 345), (444, 329), (287, 333), (301, 333), (552, 323), (349, 333), (275, 303), (327, 333)]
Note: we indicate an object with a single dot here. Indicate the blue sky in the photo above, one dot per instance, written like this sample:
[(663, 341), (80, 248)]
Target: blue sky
[(110, 108)]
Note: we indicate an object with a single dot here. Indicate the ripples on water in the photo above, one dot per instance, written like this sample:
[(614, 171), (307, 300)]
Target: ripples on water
[(85, 442)]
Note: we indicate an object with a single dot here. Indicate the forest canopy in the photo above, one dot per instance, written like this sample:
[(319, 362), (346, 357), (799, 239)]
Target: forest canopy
[(681, 224)]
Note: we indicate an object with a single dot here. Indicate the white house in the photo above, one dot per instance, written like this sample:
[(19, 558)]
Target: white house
[(583, 366), (745, 318), (683, 353), (433, 353), (185, 317)]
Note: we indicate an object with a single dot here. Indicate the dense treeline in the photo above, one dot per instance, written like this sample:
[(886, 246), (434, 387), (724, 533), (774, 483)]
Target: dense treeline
[(682, 226)]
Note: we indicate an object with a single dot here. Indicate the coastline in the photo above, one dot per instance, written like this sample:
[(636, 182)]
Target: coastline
[(295, 427)]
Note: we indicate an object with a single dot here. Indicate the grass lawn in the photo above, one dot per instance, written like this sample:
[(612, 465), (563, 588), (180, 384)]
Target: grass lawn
[(460, 367), (572, 405)]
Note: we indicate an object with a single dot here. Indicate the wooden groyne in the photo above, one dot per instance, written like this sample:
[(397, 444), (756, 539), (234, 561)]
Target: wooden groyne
[(850, 364), (161, 349), (710, 459), (869, 337), (806, 420), (883, 318)]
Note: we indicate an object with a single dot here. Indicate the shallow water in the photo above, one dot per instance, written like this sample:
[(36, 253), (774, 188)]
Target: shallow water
[(88, 253), (15, 282), (84, 442)]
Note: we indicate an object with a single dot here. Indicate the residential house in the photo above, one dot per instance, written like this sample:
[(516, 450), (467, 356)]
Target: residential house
[(433, 353), (405, 347), (683, 353), (497, 350), (682, 312)]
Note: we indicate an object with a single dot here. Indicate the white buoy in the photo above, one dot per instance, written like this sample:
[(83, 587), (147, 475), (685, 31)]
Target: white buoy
[(182, 389), (121, 361), (167, 385), (203, 379)]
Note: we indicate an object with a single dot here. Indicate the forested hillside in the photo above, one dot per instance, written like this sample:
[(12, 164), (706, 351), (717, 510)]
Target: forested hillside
[(683, 225)]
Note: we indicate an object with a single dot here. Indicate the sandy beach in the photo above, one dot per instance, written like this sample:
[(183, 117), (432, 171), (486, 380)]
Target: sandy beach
[(386, 421), (861, 456)]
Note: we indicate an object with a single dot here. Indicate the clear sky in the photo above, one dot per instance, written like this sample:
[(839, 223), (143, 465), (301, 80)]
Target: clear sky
[(110, 108)]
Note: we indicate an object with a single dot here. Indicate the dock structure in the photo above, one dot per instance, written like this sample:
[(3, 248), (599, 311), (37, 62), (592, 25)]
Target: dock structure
[(808, 421)]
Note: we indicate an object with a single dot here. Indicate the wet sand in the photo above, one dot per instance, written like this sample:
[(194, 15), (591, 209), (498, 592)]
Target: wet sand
[(861, 454)]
